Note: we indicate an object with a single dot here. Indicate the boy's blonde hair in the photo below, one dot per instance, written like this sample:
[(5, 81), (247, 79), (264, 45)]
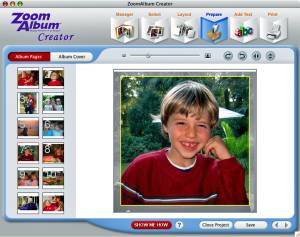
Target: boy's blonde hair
[(189, 97)]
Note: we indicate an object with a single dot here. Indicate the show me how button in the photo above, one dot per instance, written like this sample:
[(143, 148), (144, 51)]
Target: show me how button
[(215, 225), (71, 57)]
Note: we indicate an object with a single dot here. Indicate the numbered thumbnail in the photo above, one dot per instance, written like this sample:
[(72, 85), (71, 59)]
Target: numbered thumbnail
[(28, 178), (53, 103), (53, 77), (28, 153), (53, 177), (28, 203), (28, 77), (28, 103), (53, 203), (28, 127), (53, 153), (53, 127)]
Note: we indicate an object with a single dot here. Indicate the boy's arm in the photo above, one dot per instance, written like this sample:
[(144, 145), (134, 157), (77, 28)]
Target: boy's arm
[(231, 186), (129, 182)]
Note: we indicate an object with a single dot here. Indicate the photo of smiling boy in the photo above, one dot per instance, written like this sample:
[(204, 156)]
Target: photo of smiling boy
[(186, 173)]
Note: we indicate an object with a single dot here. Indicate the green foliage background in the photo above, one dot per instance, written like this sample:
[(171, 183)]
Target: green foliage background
[(141, 97)]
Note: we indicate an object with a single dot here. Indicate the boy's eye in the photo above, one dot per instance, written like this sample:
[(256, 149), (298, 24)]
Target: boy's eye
[(180, 123), (203, 125)]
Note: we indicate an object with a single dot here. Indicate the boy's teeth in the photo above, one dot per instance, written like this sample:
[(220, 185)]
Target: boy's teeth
[(189, 144)]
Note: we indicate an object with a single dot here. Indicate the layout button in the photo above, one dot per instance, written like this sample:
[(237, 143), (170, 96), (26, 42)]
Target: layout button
[(215, 225), (71, 57), (250, 225)]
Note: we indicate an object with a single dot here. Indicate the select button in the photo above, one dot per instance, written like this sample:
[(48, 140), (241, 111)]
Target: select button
[(250, 225)]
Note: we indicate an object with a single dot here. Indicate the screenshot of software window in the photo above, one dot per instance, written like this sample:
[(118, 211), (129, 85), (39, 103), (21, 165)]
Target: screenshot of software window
[(149, 117)]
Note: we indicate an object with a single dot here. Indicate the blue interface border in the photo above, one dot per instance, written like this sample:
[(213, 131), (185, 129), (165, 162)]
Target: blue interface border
[(191, 225)]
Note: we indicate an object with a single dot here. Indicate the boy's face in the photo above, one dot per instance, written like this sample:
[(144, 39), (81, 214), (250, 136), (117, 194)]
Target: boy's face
[(54, 76), (187, 134)]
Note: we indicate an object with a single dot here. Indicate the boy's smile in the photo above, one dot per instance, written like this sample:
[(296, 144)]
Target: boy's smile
[(188, 135)]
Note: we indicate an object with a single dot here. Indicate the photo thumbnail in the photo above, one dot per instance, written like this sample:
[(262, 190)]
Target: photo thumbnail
[(28, 178), (53, 127), (53, 203), (28, 153), (28, 77), (53, 153), (53, 77), (53, 178), (53, 103), (28, 127), (28, 203), (28, 103)]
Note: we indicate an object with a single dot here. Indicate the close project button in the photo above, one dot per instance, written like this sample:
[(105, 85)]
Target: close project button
[(71, 57), (29, 56), (151, 225)]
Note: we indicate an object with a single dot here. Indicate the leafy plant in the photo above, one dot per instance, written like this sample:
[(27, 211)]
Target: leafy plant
[(238, 146)]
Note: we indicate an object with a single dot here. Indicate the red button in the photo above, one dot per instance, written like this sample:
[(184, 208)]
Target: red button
[(29, 56), (151, 225)]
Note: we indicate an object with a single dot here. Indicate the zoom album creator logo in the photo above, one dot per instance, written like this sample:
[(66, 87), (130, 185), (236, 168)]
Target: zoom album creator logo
[(42, 23), (34, 21)]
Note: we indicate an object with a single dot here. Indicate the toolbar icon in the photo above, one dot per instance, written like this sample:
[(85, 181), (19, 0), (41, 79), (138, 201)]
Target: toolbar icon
[(273, 31), (270, 55), (228, 55), (256, 55), (124, 31), (184, 31), (155, 31), (214, 31), (242, 55), (243, 31)]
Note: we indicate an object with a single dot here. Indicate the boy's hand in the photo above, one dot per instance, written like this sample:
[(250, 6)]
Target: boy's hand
[(216, 146)]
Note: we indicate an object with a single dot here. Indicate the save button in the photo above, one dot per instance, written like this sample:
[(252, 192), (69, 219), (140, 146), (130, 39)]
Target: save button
[(250, 225)]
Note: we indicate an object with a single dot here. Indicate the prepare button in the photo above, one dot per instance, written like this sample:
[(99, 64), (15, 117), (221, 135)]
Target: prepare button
[(151, 225), (250, 225), (215, 225), (71, 57)]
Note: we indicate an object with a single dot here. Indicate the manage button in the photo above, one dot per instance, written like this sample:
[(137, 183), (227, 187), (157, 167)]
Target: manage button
[(215, 225), (250, 225)]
